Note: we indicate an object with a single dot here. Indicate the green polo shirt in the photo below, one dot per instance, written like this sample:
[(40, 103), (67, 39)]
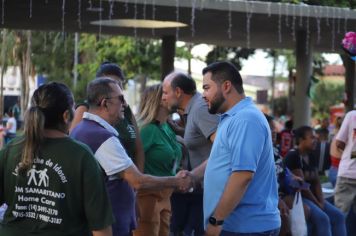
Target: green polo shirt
[(162, 152)]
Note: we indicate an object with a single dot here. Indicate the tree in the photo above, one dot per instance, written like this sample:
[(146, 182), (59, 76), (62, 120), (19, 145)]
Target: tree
[(325, 95), (138, 58), (20, 55), (185, 52), (53, 55), (280, 106), (22, 59), (6, 45), (349, 65), (232, 54)]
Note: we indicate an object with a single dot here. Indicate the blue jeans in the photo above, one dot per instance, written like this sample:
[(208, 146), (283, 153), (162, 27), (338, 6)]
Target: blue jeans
[(273, 232), (326, 222), (332, 175), (350, 223), (9, 137)]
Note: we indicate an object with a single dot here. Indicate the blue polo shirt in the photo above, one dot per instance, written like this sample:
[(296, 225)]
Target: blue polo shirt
[(243, 143)]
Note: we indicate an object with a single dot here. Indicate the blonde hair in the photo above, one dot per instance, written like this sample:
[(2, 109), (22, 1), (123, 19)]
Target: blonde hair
[(150, 104)]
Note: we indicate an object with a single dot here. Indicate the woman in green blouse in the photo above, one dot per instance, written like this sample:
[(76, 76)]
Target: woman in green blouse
[(162, 156)]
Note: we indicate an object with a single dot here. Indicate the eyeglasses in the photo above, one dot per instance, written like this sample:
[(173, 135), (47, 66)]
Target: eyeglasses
[(119, 97)]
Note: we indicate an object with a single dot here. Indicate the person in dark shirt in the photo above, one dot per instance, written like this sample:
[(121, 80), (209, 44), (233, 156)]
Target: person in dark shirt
[(51, 183), (286, 186), (285, 138), (325, 218), (322, 150)]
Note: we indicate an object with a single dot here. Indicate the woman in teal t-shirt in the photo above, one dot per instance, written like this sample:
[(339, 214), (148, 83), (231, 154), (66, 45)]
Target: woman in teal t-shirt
[(162, 156), (47, 179)]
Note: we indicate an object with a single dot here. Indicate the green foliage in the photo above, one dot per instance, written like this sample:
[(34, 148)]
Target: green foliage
[(135, 57), (232, 54), (184, 51), (53, 55), (319, 63), (336, 3), (9, 45), (325, 95), (280, 106), (141, 56)]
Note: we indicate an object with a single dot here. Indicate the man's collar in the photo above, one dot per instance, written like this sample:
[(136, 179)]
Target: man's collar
[(191, 102), (237, 107), (100, 121)]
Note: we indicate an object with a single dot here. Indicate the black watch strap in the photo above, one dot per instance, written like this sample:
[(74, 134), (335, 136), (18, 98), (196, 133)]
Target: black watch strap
[(214, 221)]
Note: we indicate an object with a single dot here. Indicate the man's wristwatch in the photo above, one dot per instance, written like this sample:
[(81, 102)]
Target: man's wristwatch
[(214, 221)]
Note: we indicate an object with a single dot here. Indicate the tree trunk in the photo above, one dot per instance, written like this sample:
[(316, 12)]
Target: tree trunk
[(167, 55), (350, 84), (3, 70), (190, 46), (291, 83), (25, 65)]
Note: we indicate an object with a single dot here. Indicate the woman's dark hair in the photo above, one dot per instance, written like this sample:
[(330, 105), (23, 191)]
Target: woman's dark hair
[(301, 132), (48, 104), (108, 68)]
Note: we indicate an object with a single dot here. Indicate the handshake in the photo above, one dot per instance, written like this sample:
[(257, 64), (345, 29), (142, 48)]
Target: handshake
[(185, 181)]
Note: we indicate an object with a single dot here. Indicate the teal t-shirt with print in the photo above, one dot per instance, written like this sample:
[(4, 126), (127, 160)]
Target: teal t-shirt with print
[(162, 152), (63, 193)]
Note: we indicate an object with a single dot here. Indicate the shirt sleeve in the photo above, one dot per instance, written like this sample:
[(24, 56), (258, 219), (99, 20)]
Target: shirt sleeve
[(206, 122), (343, 133), (292, 160), (246, 140), (112, 156), (97, 206)]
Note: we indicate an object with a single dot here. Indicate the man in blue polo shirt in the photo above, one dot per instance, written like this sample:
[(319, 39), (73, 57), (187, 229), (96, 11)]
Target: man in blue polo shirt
[(240, 187)]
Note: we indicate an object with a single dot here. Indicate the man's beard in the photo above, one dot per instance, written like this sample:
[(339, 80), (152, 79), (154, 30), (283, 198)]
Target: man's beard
[(173, 109), (216, 103)]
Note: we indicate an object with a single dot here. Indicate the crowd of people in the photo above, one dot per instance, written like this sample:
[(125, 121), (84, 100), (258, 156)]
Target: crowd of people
[(222, 169)]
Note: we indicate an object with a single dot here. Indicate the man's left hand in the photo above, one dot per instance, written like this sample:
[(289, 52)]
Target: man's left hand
[(213, 230)]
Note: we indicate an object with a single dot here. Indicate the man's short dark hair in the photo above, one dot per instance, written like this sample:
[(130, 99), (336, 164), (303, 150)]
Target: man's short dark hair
[(98, 89), (301, 133), (185, 83), (289, 124), (322, 131), (108, 68), (222, 71)]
